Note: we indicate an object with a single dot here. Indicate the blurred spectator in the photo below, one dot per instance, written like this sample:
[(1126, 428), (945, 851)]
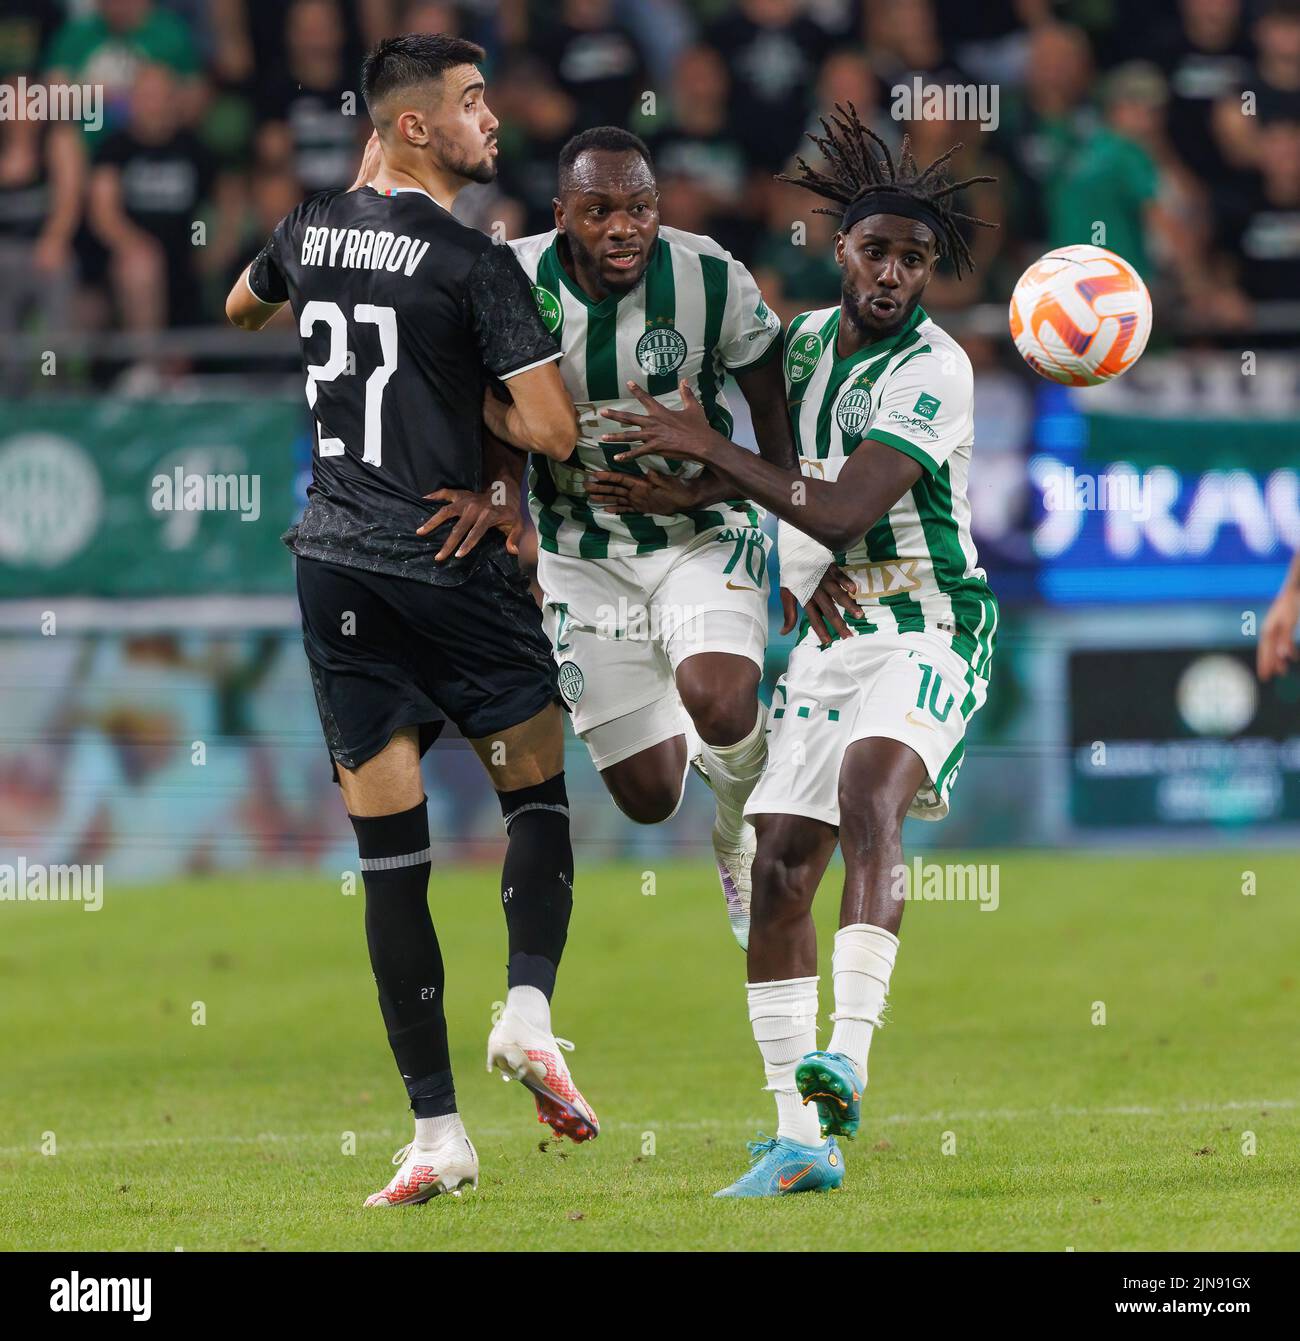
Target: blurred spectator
[(598, 61), (149, 185), (249, 41), (26, 27), (930, 139), (109, 47), (1277, 44), (773, 50), (794, 266), (42, 176), (1110, 190), (537, 117), (700, 165), (1258, 233), (313, 120), (906, 41), (1205, 57), (1042, 126)]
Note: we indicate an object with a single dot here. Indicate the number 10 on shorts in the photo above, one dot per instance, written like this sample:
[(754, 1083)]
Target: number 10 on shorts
[(932, 685)]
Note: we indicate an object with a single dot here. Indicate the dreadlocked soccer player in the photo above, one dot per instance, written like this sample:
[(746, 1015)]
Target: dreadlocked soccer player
[(867, 726)]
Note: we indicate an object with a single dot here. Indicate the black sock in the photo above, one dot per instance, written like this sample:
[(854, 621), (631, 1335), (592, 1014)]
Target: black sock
[(537, 881), (404, 953)]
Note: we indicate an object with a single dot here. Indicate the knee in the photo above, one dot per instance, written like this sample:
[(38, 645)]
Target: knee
[(723, 714), (646, 800)]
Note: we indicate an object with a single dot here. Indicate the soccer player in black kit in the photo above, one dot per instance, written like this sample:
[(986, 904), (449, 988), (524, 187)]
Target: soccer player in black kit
[(424, 354)]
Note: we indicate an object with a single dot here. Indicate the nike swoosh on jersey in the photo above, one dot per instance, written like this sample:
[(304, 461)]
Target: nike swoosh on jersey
[(916, 721), (731, 586)]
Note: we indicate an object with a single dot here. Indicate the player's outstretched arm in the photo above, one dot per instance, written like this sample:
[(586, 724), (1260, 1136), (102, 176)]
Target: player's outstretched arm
[(539, 417), (245, 309), (1277, 645), (834, 514)]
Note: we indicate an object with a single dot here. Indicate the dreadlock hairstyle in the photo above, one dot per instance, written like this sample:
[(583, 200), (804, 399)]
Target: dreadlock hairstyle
[(860, 183)]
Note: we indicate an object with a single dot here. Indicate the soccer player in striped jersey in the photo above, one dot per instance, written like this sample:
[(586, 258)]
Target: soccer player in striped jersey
[(657, 614), (868, 722)]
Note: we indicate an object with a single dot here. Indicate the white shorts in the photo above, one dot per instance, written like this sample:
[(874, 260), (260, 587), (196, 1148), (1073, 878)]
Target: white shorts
[(908, 687), (620, 627)]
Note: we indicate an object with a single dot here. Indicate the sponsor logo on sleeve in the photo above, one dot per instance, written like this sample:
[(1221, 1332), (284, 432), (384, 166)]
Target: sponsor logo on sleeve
[(548, 308), (926, 405)]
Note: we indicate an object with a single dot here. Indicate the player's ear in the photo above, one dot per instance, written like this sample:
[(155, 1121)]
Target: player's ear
[(839, 248), (411, 127), (558, 205)]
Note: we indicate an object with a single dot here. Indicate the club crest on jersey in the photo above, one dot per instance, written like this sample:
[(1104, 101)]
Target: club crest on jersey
[(802, 357), (548, 308), (853, 411), (571, 682), (661, 350)]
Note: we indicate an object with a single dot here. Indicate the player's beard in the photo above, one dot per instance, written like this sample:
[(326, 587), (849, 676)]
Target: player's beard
[(586, 259), (859, 313), (454, 159)]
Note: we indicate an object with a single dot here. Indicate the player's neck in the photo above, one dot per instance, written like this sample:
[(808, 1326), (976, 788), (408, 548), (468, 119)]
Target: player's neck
[(852, 336), (441, 187), (588, 282)]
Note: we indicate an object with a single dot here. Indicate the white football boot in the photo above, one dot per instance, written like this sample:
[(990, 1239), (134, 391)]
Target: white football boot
[(527, 1054), (735, 867), (427, 1173), (734, 863)]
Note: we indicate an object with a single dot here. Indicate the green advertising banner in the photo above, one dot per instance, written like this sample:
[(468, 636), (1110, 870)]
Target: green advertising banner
[(133, 498)]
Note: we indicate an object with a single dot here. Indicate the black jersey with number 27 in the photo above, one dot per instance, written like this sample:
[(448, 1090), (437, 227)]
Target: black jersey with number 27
[(405, 315)]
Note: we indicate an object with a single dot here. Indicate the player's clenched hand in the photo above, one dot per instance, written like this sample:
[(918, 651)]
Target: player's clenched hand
[(681, 435), (477, 514), (370, 162), (1277, 647), (835, 589), (654, 492)]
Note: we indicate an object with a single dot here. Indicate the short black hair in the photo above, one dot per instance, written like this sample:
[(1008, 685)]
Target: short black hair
[(413, 58), (610, 138)]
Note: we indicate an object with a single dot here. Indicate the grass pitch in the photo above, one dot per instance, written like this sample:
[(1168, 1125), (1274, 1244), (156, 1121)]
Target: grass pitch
[(231, 1134)]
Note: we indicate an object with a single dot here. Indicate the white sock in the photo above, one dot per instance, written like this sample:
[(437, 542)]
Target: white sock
[(531, 1005), (430, 1133), (860, 966), (733, 772), (784, 1019)]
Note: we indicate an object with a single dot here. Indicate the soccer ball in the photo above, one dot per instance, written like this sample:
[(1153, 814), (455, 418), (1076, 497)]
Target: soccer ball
[(1080, 315)]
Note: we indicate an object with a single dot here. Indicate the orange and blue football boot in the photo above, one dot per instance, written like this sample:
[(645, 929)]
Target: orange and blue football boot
[(780, 1167)]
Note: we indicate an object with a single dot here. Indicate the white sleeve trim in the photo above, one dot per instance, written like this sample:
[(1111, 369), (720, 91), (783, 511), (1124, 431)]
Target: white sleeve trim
[(528, 367), (248, 284)]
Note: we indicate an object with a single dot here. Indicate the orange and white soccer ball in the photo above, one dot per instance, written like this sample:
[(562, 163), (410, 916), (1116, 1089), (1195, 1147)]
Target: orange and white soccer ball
[(1080, 315)]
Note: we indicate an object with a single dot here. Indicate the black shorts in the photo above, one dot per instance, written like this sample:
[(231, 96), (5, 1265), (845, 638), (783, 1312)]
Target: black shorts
[(387, 651)]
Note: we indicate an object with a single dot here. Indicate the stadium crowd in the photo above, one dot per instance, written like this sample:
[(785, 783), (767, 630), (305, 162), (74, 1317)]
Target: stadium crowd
[(1177, 122)]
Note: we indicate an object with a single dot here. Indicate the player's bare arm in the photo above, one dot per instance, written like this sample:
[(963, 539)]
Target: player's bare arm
[(833, 514), (539, 416), (1277, 646), (244, 308)]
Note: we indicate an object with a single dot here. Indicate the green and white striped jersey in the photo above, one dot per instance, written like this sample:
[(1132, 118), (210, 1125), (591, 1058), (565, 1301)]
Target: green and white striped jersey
[(916, 569), (695, 313)]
